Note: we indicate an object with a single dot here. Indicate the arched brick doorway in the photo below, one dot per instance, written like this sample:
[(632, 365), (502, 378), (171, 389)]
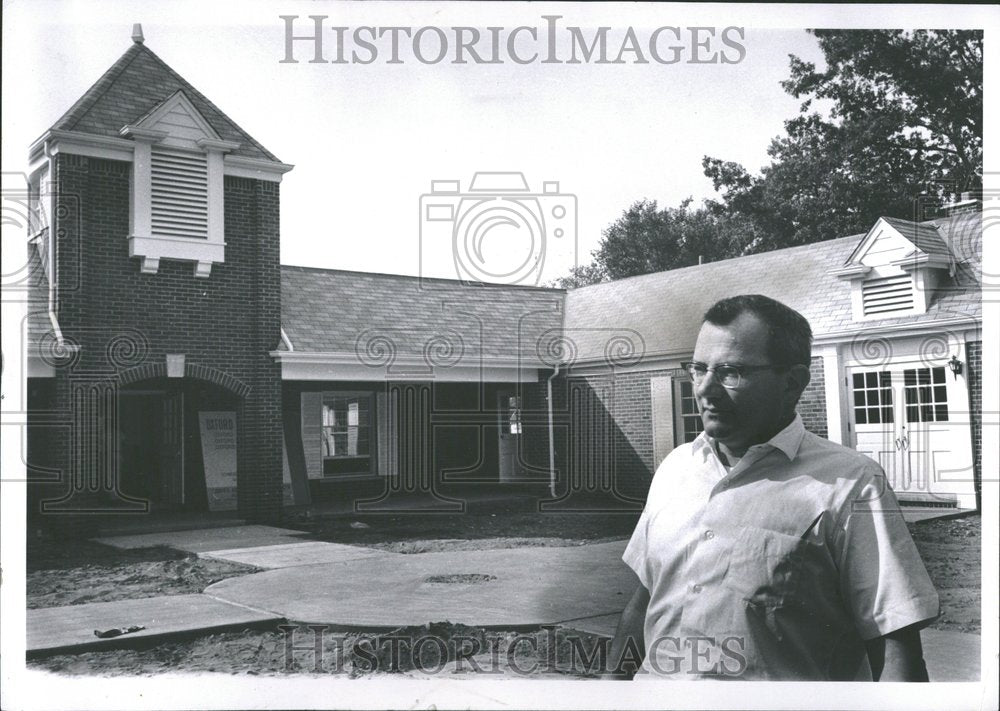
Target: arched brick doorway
[(177, 437)]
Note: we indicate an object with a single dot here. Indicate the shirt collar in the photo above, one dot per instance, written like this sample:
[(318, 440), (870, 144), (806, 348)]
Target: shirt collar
[(788, 440)]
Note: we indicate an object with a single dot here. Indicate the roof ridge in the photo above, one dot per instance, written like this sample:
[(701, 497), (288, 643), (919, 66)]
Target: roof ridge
[(458, 282), (73, 115), (727, 259)]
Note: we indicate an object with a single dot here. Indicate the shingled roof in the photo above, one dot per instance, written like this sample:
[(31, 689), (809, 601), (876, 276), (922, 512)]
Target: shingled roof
[(661, 313), (345, 312), (132, 87)]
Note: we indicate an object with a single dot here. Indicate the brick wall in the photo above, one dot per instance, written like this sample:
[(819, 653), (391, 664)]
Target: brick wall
[(611, 433), (812, 404), (123, 319), (974, 353)]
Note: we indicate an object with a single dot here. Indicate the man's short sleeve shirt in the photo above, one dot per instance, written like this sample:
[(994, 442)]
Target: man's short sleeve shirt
[(780, 568)]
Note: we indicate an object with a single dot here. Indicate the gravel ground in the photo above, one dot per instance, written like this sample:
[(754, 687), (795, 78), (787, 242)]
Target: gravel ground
[(70, 572)]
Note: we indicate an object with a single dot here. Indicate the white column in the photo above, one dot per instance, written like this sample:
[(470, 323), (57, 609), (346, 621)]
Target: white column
[(834, 393), (661, 392), (216, 203), (142, 180)]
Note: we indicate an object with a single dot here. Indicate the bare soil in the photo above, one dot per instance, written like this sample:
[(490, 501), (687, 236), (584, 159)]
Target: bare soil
[(71, 572), (437, 649), (951, 549)]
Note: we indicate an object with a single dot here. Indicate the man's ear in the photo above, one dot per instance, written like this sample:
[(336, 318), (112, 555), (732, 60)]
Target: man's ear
[(797, 378)]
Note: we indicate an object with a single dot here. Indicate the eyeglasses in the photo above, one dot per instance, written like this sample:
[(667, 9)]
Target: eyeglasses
[(729, 375)]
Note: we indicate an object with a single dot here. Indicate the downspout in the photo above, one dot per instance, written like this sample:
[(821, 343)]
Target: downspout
[(51, 256), (287, 341), (552, 444)]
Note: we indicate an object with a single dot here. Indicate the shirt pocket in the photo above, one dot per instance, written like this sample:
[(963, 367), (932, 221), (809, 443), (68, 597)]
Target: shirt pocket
[(766, 567)]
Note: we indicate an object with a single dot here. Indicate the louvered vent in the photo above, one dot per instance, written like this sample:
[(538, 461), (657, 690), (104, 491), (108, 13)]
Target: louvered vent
[(179, 194), (887, 295)]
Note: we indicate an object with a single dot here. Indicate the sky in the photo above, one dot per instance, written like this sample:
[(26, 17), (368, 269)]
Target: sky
[(368, 140)]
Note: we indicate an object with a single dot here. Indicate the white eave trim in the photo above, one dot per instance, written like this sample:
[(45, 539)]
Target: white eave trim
[(242, 167), (893, 329), (853, 271), (110, 148), (331, 367), (352, 358), (85, 144), (917, 260)]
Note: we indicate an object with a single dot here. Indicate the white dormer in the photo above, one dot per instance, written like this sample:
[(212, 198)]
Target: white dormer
[(895, 268), (177, 206)]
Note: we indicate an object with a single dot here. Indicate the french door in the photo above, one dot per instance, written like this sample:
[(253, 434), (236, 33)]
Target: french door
[(912, 418)]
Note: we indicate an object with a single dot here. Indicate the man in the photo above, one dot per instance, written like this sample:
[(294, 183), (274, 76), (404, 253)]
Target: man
[(765, 551)]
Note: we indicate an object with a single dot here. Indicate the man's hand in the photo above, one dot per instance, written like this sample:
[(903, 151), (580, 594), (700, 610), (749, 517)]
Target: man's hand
[(898, 656), (629, 635)]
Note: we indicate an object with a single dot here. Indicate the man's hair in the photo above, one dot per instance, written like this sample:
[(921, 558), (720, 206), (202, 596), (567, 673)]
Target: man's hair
[(789, 337)]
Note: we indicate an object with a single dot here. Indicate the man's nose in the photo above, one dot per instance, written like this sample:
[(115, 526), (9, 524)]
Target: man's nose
[(709, 385)]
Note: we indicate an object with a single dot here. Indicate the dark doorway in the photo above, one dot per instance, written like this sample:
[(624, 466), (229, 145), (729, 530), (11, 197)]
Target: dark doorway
[(151, 446)]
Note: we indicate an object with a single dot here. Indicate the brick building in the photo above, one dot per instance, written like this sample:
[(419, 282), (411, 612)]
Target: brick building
[(174, 364)]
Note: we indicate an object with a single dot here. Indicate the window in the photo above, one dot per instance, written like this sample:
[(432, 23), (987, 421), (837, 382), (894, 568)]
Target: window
[(346, 434), (514, 416), (925, 394), (688, 419), (873, 398)]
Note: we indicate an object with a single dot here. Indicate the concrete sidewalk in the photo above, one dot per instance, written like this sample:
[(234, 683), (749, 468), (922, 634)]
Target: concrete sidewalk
[(507, 588), (207, 539), (351, 587), (70, 629)]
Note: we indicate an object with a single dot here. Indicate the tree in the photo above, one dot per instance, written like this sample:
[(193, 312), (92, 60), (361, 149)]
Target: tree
[(902, 118), (905, 120), (648, 239)]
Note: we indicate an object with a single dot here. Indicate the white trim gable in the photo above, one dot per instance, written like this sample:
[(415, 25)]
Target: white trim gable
[(890, 275), (177, 208), (181, 123)]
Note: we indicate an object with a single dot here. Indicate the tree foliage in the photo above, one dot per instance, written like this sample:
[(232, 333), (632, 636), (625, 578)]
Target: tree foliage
[(901, 122)]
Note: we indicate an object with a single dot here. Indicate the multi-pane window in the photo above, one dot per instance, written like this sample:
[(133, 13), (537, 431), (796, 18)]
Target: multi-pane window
[(925, 394), (346, 433), (514, 414), (873, 397), (689, 418)]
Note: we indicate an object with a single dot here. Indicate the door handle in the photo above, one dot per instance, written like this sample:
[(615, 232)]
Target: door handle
[(898, 443), (905, 442)]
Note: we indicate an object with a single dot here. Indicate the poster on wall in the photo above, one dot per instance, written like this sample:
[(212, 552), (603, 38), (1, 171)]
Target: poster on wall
[(218, 452)]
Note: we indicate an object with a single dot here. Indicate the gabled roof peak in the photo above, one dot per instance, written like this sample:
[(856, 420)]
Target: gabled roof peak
[(133, 87), (901, 238)]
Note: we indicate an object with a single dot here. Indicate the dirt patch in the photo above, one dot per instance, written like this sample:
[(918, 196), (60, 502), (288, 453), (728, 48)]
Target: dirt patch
[(460, 578), (73, 571), (428, 532), (437, 649), (951, 550), (65, 572), (479, 544)]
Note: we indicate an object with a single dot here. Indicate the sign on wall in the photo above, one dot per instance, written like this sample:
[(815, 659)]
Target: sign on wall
[(218, 451)]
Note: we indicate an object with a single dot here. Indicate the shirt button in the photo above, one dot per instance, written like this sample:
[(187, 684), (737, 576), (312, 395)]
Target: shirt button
[(696, 588), (709, 534)]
